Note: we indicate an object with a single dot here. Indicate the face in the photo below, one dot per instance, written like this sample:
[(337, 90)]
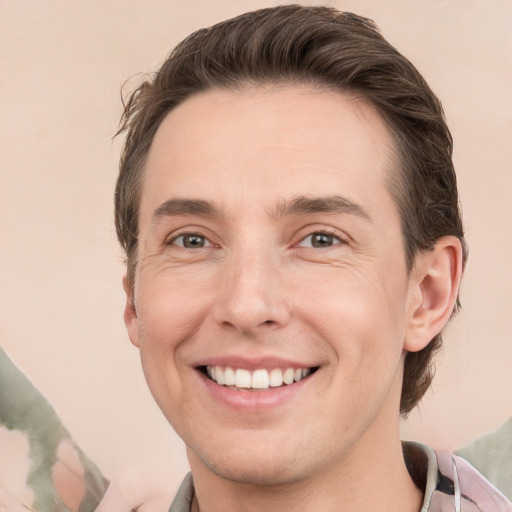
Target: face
[(271, 289)]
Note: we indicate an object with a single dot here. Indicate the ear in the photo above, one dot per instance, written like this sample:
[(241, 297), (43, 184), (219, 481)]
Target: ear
[(130, 313), (433, 290)]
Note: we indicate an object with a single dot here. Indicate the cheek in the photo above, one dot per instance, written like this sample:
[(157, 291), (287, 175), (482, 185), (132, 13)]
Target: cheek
[(357, 313), (170, 306)]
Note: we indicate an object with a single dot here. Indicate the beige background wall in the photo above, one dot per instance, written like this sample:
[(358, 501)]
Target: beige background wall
[(62, 64)]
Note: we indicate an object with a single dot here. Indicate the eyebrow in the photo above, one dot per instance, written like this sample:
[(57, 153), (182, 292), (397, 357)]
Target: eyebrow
[(175, 207), (303, 205)]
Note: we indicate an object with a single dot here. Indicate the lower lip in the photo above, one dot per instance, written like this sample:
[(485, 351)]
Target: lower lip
[(253, 401)]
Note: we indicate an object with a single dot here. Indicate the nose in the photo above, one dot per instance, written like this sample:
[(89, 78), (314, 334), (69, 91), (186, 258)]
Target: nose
[(251, 296)]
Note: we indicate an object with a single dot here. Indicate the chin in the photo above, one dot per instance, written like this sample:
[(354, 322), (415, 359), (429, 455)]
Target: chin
[(256, 467), (258, 476)]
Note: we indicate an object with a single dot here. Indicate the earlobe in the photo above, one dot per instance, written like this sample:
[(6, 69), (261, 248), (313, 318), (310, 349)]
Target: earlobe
[(434, 287), (130, 313)]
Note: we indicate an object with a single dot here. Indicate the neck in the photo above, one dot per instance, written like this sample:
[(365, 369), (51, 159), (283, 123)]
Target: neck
[(367, 479)]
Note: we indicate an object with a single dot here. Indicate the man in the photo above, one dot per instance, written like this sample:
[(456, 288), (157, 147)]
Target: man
[(289, 212)]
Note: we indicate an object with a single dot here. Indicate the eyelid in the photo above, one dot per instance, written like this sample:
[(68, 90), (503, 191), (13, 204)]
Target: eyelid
[(341, 238), (171, 239)]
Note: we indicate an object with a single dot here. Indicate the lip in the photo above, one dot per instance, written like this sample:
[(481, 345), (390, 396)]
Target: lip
[(253, 401), (251, 364)]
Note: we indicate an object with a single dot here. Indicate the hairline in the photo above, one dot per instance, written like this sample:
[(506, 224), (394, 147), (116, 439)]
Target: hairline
[(394, 169)]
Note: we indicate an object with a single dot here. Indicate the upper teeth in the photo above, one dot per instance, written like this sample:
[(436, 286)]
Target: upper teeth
[(258, 379)]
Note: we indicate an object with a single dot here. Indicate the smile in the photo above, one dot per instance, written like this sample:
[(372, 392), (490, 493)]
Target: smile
[(240, 378)]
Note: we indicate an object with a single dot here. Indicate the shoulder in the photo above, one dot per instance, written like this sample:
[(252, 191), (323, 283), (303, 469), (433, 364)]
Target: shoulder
[(451, 483)]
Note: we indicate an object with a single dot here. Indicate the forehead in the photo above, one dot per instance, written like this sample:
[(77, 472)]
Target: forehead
[(258, 145)]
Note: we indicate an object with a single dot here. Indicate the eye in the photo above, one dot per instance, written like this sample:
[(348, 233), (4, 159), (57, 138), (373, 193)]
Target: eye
[(190, 241), (320, 240)]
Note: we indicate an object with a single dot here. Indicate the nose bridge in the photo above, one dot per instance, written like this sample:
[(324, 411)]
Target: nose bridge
[(250, 294)]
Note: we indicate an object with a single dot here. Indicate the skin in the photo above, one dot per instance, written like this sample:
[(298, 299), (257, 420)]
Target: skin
[(268, 280)]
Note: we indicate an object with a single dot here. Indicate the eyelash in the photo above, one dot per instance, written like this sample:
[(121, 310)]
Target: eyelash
[(337, 240), (173, 240)]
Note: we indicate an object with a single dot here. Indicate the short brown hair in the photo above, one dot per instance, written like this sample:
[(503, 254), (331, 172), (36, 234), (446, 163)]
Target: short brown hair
[(322, 47)]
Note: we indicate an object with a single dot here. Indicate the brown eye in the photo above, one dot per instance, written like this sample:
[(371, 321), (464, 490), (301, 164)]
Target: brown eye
[(320, 240), (191, 241)]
